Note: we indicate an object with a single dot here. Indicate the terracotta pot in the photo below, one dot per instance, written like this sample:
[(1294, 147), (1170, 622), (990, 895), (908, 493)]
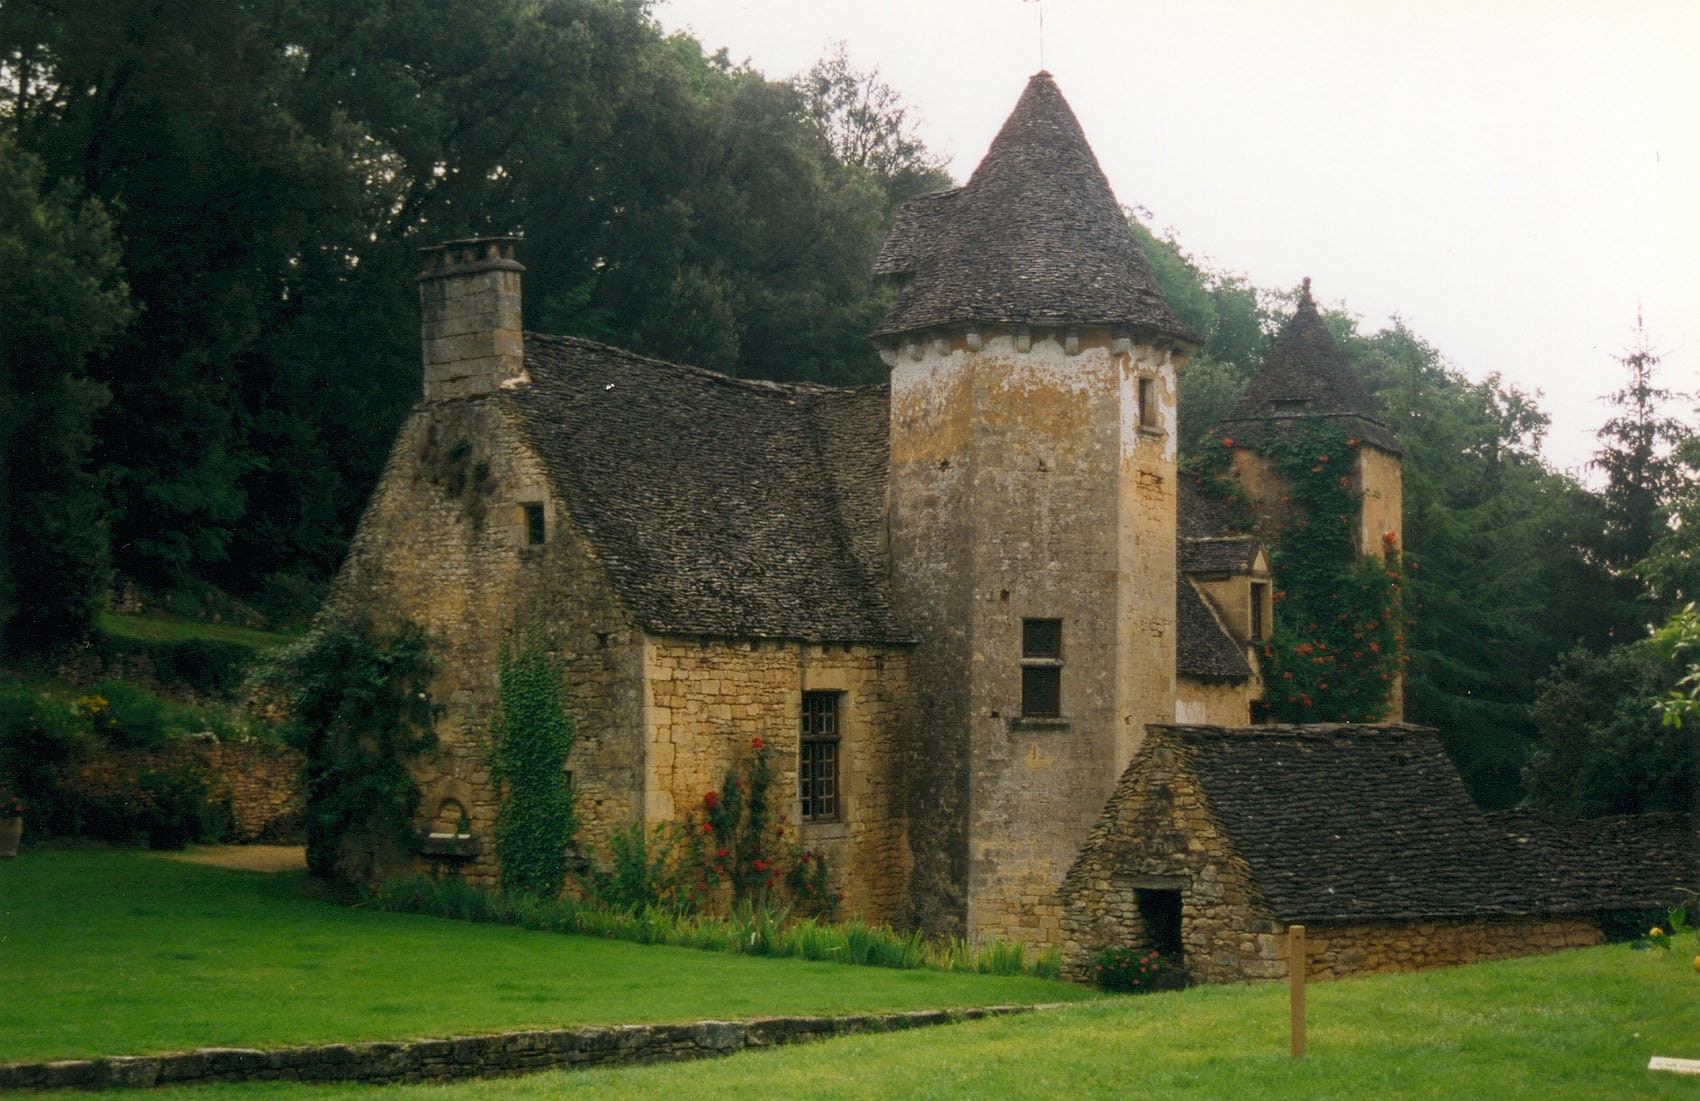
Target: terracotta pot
[(11, 829)]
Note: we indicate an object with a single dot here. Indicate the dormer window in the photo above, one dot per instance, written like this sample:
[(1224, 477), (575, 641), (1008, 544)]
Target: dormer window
[(1259, 595), (1291, 407)]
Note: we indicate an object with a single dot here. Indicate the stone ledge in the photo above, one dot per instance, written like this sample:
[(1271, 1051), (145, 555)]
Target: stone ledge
[(443, 1060)]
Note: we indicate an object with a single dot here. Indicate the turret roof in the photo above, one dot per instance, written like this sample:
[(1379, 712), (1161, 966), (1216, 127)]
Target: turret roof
[(1035, 237), (1306, 375)]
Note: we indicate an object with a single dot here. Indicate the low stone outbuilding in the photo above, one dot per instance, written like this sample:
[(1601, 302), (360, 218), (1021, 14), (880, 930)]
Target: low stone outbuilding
[(1217, 839)]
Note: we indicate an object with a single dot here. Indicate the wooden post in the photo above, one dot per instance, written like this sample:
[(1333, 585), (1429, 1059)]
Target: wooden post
[(1296, 986)]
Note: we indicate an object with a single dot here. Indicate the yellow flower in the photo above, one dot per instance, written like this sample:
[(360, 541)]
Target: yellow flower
[(1655, 931)]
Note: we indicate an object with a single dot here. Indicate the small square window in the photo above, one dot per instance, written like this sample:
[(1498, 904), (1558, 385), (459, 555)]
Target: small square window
[(1041, 638), (536, 533)]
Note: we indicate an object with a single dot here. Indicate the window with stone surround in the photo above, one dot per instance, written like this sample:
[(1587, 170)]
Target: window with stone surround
[(1150, 410), (1041, 668), (817, 756)]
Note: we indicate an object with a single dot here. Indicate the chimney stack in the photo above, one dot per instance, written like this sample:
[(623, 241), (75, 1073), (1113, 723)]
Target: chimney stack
[(470, 319)]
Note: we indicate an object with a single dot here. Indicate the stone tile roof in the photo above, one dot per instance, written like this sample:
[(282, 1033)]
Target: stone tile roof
[(1619, 862), (1223, 554), (1306, 374), (1353, 823), (1198, 515), (1203, 649), (719, 506), (1035, 237)]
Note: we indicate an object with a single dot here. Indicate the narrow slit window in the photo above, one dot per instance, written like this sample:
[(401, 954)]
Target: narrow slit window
[(1041, 668), (817, 757), (536, 532), (1259, 594), (1150, 411)]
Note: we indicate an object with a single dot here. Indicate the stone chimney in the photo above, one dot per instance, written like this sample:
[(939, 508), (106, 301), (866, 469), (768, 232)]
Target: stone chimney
[(469, 318)]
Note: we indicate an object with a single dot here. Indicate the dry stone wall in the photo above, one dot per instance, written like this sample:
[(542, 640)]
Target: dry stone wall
[(469, 1056), (260, 781)]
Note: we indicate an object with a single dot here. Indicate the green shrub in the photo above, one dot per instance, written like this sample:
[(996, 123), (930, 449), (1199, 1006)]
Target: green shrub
[(40, 736), (177, 809), (1136, 971), (358, 712), (128, 717)]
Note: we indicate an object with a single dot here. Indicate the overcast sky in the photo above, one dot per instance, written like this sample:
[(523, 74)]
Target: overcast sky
[(1515, 178)]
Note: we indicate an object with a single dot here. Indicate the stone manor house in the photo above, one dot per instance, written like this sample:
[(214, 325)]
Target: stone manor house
[(953, 605)]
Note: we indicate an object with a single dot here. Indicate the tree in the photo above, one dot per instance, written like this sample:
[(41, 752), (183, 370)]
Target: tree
[(1638, 455), (63, 298), (1603, 746), (869, 126)]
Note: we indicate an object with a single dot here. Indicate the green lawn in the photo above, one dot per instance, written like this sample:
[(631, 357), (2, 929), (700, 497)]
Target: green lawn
[(127, 952), (1580, 1025), (130, 953), (157, 628)]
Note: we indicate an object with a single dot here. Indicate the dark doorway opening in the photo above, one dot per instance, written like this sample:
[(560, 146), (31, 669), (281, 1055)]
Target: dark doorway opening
[(1161, 912)]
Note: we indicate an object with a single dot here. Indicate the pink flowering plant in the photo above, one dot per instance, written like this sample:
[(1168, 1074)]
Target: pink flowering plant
[(1122, 970)]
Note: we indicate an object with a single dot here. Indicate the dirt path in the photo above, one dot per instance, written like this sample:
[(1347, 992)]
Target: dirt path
[(251, 858)]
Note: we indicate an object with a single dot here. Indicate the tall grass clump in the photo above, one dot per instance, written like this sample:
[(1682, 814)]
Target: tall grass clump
[(754, 927)]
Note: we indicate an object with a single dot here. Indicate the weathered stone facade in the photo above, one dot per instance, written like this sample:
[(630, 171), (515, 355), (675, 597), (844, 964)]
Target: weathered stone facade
[(1027, 486)]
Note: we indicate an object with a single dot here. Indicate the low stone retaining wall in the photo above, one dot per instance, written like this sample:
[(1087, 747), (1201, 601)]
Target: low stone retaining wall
[(470, 1056), (260, 781)]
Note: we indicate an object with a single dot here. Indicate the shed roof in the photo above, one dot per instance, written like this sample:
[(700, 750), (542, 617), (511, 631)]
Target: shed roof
[(719, 506), (1346, 822), (1035, 237), (1306, 375)]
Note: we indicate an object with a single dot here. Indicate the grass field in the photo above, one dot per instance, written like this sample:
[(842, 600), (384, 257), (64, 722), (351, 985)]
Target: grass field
[(180, 955), (130, 953), (158, 628)]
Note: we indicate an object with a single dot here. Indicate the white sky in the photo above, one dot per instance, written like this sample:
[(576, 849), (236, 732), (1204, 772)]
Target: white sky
[(1513, 177)]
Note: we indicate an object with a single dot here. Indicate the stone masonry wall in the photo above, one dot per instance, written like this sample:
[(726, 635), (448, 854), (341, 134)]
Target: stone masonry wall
[(461, 1057), (261, 781), (1026, 485), (444, 545), (1157, 834), (1339, 951), (707, 701)]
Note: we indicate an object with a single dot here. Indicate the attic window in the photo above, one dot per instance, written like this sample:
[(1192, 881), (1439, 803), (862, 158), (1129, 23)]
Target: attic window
[(1041, 668), (536, 533), (1291, 407), (1150, 411)]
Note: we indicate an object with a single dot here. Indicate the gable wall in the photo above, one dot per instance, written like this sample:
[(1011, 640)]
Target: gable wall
[(707, 700), (1157, 831), (1214, 703), (446, 550)]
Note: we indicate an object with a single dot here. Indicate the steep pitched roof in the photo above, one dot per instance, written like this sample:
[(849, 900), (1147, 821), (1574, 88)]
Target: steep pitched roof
[(1203, 649), (1307, 375), (719, 506), (1372, 822), (1223, 554), (1035, 237)]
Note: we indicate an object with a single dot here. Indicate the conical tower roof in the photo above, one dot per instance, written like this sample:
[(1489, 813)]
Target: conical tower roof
[(1035, 237), (1306, 375)]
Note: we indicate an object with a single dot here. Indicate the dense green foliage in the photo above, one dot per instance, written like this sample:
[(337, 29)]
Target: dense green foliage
[(264, 175), (358, 710), (63, 299), (251, 960), (46, 734), (529, 742)]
